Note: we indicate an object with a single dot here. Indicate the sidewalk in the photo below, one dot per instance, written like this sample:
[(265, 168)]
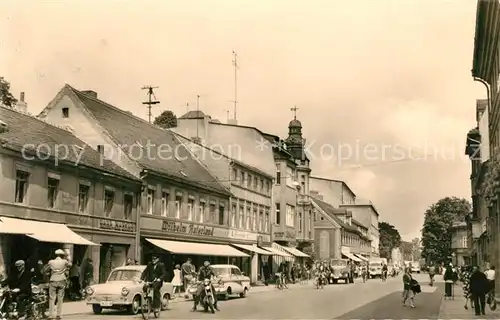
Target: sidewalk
[(454, 309), (81, 307)]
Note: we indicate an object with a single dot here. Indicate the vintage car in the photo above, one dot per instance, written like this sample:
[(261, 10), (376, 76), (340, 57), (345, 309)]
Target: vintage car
[(340, 271), (229, 281), (123, 290)]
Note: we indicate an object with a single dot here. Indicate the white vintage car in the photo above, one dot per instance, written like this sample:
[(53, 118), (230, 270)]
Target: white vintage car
[(231, 281), (123, 290)]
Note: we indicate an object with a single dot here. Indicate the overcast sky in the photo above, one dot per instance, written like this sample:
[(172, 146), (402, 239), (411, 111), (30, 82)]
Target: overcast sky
[(390, 79)]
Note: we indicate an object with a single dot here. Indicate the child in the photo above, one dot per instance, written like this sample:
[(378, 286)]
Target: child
[(176, 281)]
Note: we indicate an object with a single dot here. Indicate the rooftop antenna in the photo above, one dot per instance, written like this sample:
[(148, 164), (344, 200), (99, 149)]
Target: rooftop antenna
[(197, 115), (150, 101), (235, 65), (294, 109)]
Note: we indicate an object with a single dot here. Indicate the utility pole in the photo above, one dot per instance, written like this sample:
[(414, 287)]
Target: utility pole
[(235, 65), (151, 99)]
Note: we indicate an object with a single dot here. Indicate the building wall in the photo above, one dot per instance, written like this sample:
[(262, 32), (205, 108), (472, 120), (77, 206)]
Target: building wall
[(366, 215), (459, 239), (285, 194), (334, 192), (327, 238)]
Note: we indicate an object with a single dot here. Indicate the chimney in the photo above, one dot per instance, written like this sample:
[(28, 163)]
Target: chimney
[(100, 148), (21, 105), (90, 93), (233, 122)]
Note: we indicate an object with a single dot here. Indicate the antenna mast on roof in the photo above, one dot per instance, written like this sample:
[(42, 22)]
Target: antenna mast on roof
[(150, 101), (235, 65)]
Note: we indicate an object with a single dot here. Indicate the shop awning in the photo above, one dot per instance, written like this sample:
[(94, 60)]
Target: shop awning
[(361, 257), (296, 252), (276, 252), (43, 231), (252, 248), (351, 256), (202, 249)]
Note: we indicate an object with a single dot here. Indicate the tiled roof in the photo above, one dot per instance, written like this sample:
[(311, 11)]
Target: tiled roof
[(167, 155), (331, 211), (29, 132)]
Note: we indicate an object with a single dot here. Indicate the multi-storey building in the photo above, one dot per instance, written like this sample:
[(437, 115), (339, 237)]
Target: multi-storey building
[(57, 192), (338, 235), (459, 243), (486, 69), (334, 192), (185, 209)]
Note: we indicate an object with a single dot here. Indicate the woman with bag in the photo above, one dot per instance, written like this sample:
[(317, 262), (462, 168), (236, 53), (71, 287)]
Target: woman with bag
[(408, 286)]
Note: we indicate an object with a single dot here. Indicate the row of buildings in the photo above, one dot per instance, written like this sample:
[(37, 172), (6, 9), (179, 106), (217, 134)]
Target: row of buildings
[(476, 241), (104, 184)]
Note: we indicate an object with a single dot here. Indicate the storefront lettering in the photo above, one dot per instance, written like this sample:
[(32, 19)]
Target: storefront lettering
[(179, 227), (116, 225), (284, 235)]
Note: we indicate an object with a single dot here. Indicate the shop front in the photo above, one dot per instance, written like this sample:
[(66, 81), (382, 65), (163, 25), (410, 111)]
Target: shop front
[(346, 254), (176, 241)]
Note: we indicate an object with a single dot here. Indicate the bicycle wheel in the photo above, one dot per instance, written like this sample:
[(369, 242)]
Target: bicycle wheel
[(146, 308)]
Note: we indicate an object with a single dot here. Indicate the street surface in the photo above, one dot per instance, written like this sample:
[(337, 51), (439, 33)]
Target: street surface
[(371, 300)]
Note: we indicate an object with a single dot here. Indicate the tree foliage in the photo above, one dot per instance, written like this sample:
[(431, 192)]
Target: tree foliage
[(6, 97), (166, 119), (389, 239), (437, 230)]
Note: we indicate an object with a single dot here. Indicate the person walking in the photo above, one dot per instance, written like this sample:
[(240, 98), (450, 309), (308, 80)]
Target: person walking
[(490, 276), (448, 281), (58, 269), (176, 281), (408, 293), (478, 289), (74, 276), (187, 271)]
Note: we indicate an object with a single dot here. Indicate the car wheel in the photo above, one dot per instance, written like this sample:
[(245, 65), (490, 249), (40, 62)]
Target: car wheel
[(225, 296), (244, 293), (96, 309), (165, 302), (135, 307)]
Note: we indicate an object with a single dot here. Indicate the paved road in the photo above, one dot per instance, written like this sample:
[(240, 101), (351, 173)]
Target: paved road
[(371, 300)]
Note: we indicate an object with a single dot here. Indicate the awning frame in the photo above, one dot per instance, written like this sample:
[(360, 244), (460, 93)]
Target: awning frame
[(197, 248), (351, 256), (252, 248), (276, 252), (296, 252)]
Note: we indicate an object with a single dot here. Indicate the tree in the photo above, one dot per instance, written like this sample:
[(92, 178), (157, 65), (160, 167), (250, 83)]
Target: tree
[(6, 97), (406, 250), (437, 229), (389, 239), (166, 119)]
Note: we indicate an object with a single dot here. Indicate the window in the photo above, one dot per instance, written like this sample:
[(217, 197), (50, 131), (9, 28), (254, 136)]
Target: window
[(65, 112), (464, 241), (178, 206), (266, 221), (242, 178), (289, 176), (52, 190), (262, 185), (249, 223), (278, 214), (190, 209), (221, 215), (278, 174), (151, 201), (109, 198), (212, 208), (300, 221), (249, 181), (255, 217), (164, 204), (233, 216), (128, 204), (22, 178), (235, 174), (235, 272), (261, 221), (241, 217), (268, 187), (83, 198), (201, 214), (256, 183), (290, 216)]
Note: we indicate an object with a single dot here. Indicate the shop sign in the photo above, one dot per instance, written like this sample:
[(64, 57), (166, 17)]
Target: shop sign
[(114, 225), (284, 235), (187, 228)]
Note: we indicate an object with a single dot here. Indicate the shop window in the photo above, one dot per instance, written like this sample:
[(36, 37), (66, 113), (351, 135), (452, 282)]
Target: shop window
[(52, 191), (178, 206), (83, 198), (190, 209), (128, 204), (109, 198), (22, 181), (151, 201), (164, 204), (221, 215), (201, 214), (278, 214)]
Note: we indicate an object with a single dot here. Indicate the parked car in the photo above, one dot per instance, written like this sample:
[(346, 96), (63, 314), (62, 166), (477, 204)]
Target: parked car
[(231, 281), (123, 290)]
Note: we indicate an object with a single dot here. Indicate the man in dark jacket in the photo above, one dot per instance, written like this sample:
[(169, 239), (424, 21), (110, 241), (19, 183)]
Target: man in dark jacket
[(478, 289), (155, 273), (21, 280), (205, 272)]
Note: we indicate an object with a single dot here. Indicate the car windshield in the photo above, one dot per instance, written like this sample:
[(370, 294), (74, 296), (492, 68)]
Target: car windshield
[(221, 271), (340, 263), (375, 264), (124, 275)]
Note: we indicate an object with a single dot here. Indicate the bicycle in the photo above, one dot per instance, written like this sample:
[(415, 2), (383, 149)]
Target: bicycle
[(147, 304)]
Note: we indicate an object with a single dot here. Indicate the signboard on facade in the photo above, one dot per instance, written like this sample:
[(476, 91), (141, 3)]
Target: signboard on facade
[(114, 225), (284, 235)]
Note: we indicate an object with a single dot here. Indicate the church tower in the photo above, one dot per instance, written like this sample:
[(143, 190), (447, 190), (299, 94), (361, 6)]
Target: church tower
[(295, 142)]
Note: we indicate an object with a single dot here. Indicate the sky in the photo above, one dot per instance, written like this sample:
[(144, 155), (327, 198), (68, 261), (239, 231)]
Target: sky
[(384, 88)]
